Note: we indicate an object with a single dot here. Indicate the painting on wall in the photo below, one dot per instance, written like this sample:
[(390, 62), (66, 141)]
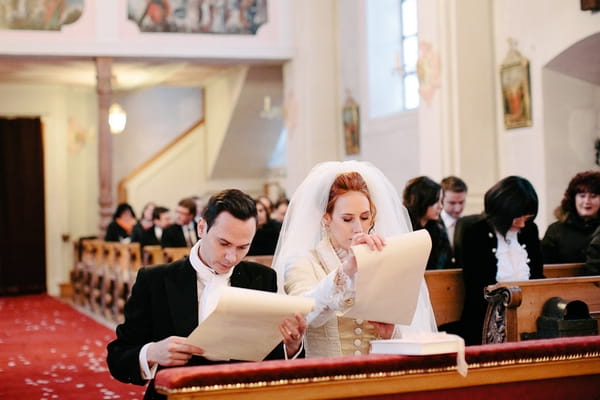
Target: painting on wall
[(351, 126), (44, 15), (241, 17), (516, 91)]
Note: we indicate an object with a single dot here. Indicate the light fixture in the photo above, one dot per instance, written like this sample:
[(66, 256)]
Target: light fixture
[(117, 118)]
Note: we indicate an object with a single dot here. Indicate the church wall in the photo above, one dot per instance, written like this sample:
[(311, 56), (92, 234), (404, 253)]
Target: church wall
[(571, 125), (542, 29)]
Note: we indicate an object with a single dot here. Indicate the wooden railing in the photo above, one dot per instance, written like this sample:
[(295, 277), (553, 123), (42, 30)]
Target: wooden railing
[(122, 186)]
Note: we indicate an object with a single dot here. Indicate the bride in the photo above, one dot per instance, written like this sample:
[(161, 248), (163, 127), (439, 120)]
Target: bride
[(339, 205)]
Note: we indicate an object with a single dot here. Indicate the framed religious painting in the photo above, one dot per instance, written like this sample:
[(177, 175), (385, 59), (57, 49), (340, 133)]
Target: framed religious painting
[(350, 120), (516, 91)]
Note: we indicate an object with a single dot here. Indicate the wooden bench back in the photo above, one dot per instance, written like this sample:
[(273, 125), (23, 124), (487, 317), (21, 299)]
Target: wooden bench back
[(564, 270), (447, 294), (515, 306), (175, 253), (153, 255), (447, 289), (264, 260)]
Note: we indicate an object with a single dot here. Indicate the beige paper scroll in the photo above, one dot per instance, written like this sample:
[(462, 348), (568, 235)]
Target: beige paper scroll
[(245, 324), (388, 281)]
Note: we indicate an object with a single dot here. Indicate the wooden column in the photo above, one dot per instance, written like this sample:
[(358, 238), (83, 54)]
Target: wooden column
[(104, 89)]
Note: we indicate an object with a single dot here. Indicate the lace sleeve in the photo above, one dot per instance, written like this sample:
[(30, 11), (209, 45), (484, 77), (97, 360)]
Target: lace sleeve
[(332, 293)]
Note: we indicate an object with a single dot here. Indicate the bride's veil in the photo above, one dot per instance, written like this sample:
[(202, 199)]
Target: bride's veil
[(301, 229)]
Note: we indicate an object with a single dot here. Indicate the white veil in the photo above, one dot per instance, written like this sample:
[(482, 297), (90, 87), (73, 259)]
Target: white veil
[(301, 230)]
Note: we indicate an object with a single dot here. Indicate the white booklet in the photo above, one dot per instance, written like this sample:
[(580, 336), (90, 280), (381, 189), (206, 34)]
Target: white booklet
[(388, 281), (245, 324), (426, 343)]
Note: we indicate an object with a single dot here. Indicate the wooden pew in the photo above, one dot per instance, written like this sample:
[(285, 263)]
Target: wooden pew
[(152, 255), (447, 294), (92, 256), (77, 275), (514, 307), (541, 369), (447, 290), (264, 260), (129, 264), (564, 270), (175, 253)]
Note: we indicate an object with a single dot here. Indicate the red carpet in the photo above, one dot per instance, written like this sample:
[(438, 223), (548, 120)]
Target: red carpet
[(49, 350)]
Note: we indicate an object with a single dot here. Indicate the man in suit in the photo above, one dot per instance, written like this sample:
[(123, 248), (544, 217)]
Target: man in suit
[(454, 195), (184, 232), (161, 219), (168, 301)]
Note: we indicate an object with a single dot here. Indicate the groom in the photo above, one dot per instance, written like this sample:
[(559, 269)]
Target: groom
[(168, 301)]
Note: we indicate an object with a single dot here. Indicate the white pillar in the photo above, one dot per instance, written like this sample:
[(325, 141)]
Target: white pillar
[(313, 111)]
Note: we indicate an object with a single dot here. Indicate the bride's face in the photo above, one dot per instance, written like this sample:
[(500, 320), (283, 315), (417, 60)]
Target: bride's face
[(351, 215)]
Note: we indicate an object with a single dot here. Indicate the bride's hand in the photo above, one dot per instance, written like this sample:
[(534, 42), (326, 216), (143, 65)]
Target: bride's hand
[(374, 241)]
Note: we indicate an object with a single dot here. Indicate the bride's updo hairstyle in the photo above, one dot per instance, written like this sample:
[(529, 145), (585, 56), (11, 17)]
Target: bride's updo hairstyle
[(349, 182)]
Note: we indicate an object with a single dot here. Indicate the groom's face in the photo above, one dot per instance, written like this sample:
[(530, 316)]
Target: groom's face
[(227, 242)]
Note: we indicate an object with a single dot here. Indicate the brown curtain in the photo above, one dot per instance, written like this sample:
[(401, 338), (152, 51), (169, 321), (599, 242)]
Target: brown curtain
[(22, 226)]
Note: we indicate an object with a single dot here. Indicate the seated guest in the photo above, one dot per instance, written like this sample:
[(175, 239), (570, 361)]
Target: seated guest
[(161, 217), (119, 229), (422, 199), (266, 200), (200, 204), (168, 301), (143, 223), (280, 209), (267, 233), (566, 240), (502, 245), (454, 195), (183, 233)]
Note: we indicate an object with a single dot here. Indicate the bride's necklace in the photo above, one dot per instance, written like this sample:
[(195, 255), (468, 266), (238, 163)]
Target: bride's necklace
[(341, 253)]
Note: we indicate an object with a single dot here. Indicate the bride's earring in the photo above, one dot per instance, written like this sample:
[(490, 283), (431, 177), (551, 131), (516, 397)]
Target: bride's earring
[(324, 231)]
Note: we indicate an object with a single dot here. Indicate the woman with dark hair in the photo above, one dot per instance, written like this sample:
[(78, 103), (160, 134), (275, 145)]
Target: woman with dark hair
[(502, 245), (119, 229), (145, 222), (267, 233), (422, 198), (566, 240)]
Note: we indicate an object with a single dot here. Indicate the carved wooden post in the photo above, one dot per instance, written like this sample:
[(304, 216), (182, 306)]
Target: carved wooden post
[(104, 89)]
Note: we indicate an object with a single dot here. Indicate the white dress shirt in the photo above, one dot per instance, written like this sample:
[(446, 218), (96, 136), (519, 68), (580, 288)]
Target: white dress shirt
[(450, 224)]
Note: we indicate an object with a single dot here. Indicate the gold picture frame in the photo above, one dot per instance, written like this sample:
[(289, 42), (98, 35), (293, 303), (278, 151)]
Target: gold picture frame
[(516, 90), (351, 122)]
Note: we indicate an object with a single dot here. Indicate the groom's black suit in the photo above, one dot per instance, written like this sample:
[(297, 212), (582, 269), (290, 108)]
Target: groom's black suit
[(163, 303)]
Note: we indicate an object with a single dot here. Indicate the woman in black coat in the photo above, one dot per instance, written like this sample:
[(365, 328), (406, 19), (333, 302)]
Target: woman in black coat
[(501, 246), (567, 239), (422, 199)]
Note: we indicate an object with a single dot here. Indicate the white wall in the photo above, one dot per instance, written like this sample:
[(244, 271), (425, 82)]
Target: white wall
[(389, 140), (155, 117), (543, 29), (572, 124)]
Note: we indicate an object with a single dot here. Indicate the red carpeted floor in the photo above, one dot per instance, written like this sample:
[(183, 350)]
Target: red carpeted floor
[(49, 350)]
